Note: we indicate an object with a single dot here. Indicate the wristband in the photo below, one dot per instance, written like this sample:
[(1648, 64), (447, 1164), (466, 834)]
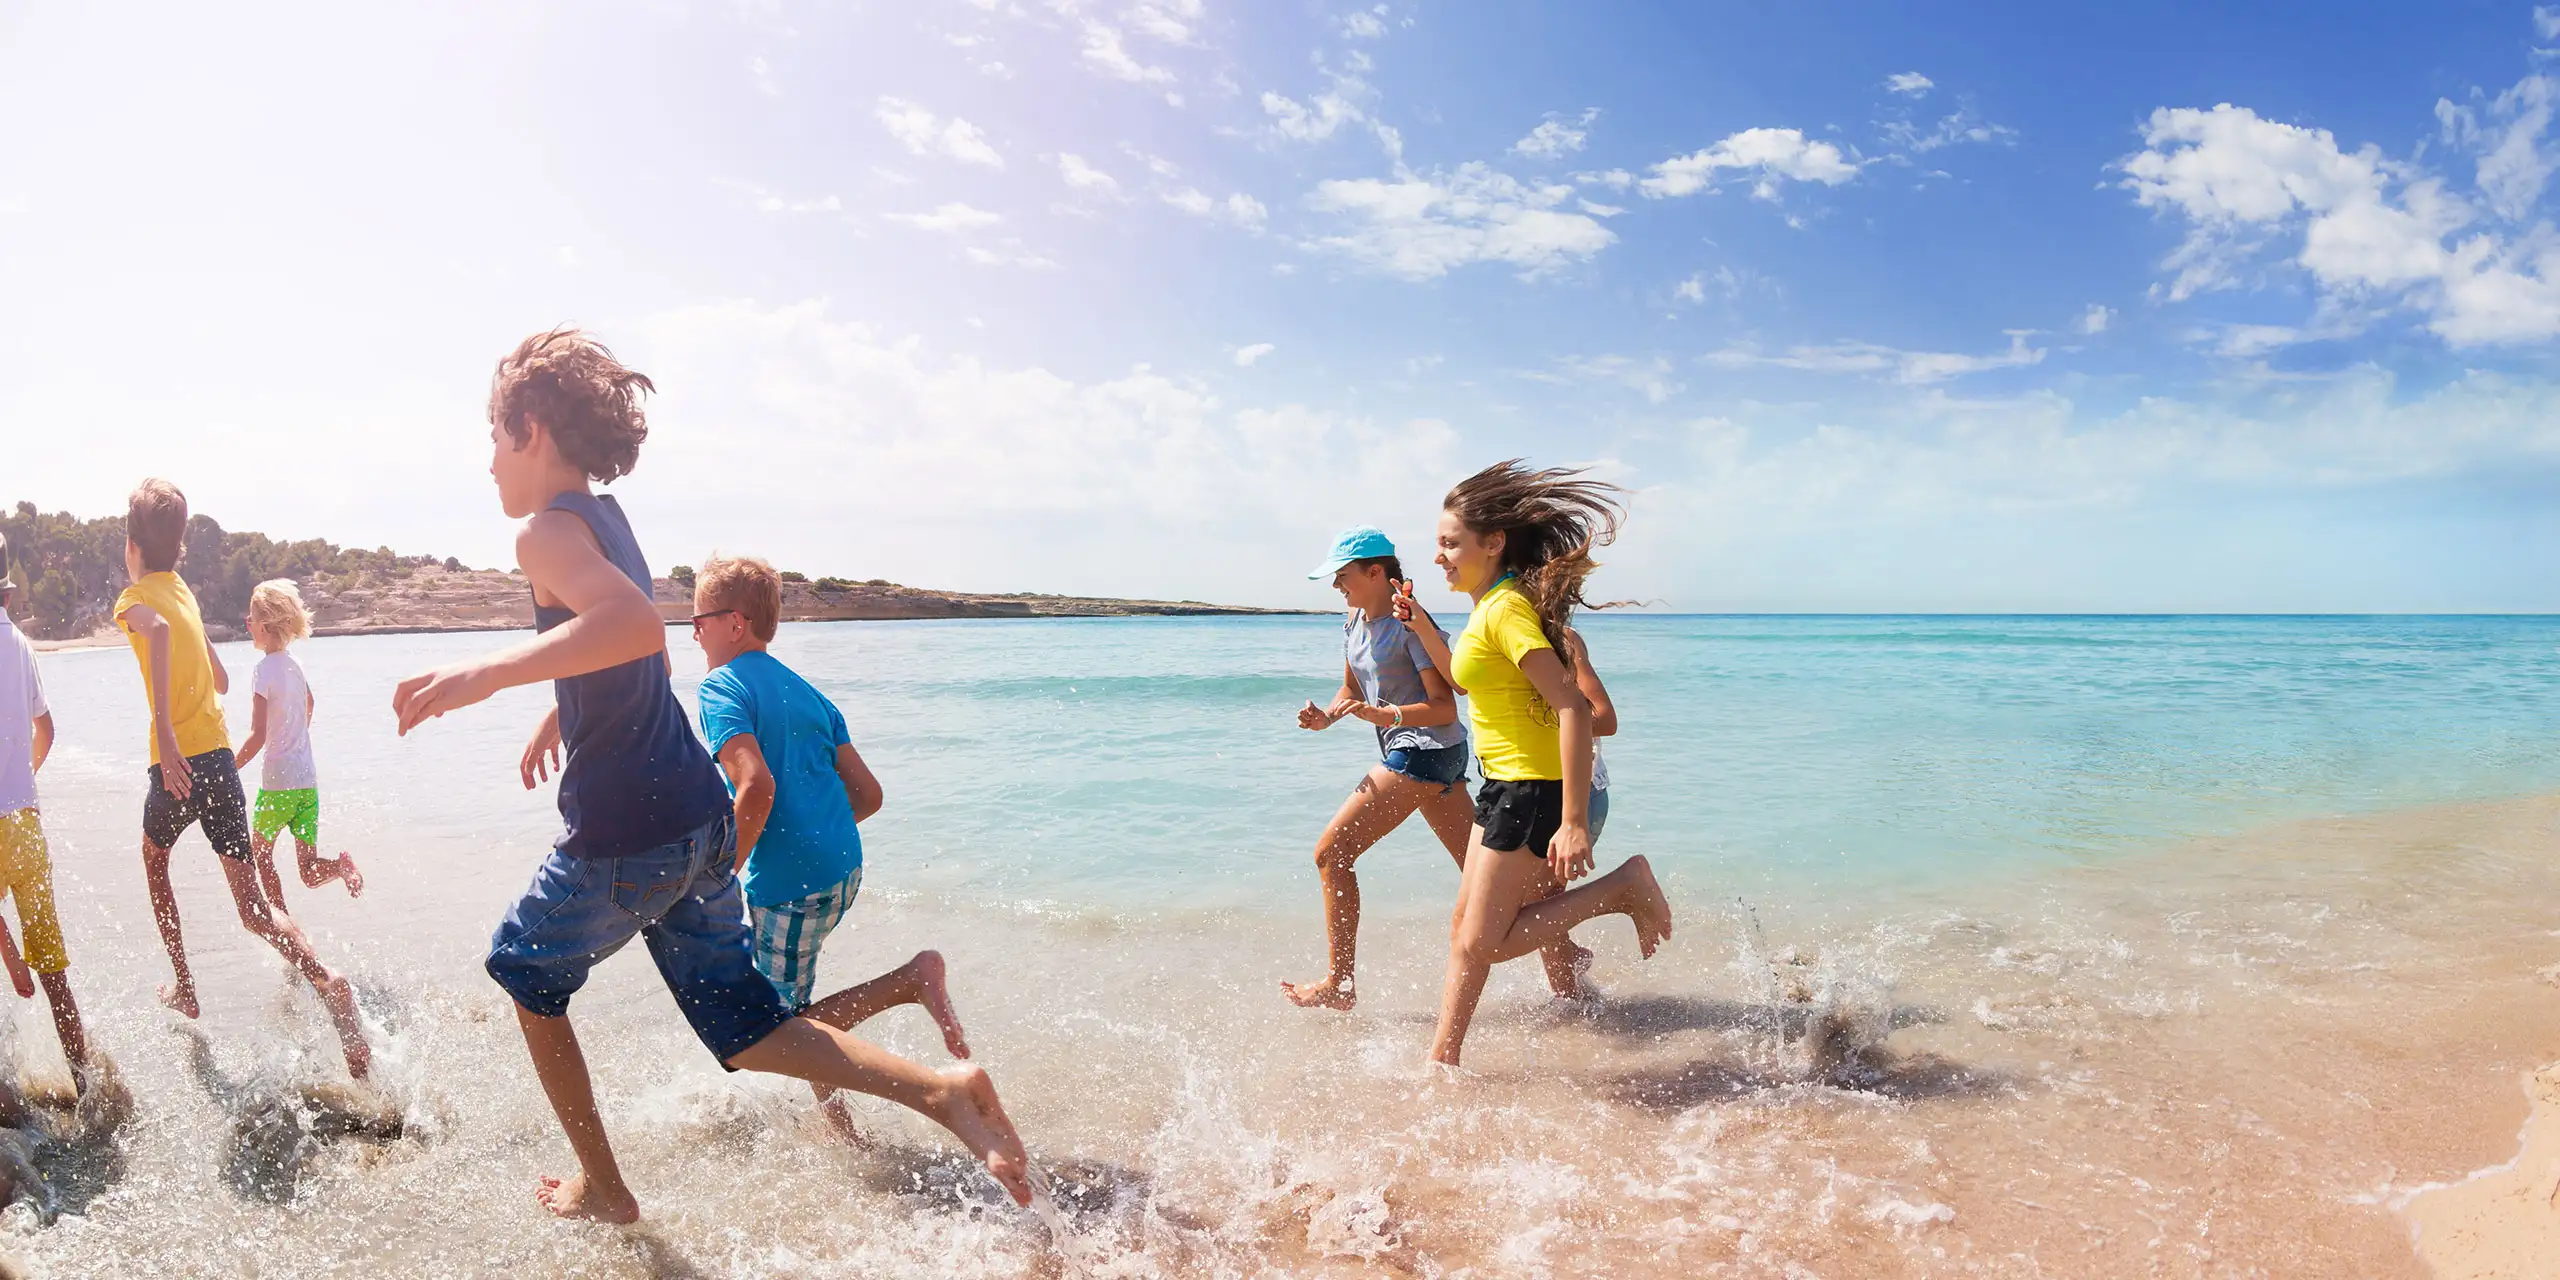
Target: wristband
[(1397, 712)]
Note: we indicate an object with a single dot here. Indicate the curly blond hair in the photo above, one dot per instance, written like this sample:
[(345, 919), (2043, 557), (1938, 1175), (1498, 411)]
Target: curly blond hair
[(275, 606), (746, 584)]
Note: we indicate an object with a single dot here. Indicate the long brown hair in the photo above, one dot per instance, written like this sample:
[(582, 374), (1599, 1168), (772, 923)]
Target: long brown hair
[(1550, 521)]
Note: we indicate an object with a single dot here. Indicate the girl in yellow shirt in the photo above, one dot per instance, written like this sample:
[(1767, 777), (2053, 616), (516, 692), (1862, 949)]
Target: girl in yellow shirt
[(1518, 542)]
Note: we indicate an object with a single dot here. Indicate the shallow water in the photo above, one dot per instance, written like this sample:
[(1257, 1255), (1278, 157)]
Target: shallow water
[(2008, 947)]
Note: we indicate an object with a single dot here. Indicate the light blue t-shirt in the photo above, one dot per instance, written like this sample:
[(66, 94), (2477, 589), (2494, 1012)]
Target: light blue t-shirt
[(1388, 661), (809, 843)]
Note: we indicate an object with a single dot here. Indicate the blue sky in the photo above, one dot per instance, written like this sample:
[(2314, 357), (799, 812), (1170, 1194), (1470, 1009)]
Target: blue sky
[(2157, 307)]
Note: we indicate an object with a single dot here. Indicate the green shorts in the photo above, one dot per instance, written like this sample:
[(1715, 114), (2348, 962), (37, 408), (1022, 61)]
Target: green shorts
[(278, 810)]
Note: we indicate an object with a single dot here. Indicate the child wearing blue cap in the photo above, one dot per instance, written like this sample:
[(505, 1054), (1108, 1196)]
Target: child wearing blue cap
[(1389, 681)]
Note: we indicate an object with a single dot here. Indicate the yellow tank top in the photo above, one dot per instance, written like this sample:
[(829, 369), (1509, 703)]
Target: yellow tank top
[(195, 710)]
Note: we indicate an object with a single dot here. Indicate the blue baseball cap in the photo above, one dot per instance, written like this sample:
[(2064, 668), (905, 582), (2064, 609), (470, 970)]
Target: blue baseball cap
[(1359, 542)]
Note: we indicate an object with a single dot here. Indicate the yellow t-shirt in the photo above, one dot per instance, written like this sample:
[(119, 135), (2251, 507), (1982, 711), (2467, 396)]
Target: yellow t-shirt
[(195, 710), (1515, 728)]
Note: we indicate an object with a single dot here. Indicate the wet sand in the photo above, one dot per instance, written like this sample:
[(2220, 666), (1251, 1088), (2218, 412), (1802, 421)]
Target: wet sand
[(2502, 1223), (2234, 1057)]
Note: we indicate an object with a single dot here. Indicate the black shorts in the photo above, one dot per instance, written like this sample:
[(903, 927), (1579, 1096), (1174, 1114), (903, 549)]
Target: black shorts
[(215, 800), (1520, 815)]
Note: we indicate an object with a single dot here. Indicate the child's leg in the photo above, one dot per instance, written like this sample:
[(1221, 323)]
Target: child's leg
[(224, 812), (278, 930), (1494, 925), (962, 1099), (316, 870), (920, 981), (180, 993), (1382, 801), (24, 981), (597, 1190), (262, 851), (1452, 818), (67, 1026)]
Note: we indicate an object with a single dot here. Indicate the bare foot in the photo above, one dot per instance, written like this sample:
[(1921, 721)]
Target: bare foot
[(969, 1109), (1577, 983), (1650, 910), (340, 999), (1328, 994), (349, 876), (840, 1119), (181, 997), (934, 993), (573, 1198)]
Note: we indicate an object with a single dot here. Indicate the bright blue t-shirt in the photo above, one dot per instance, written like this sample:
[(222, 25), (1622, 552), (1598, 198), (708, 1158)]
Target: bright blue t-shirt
[(809, 843)]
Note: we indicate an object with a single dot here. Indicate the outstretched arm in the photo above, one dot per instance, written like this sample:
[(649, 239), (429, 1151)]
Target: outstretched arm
[(221, 674), (615, 624), (742, 758)]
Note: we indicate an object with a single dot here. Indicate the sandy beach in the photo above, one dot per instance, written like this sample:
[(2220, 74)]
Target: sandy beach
[(2502, 1223)]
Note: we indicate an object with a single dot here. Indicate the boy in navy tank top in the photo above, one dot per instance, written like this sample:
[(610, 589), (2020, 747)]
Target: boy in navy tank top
[(649, 844)]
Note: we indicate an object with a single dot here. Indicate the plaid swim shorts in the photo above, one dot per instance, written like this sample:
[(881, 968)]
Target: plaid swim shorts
[(789, 934)]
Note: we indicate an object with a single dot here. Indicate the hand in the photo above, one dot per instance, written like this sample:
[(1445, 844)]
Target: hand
[(175, 777), (1311, 717), (1349, 706), (1403, 605), (424, 697), (1569, 853), (541, 754)]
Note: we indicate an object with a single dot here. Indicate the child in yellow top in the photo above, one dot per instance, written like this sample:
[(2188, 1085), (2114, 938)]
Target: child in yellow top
[(193, 777), (1519, 542)]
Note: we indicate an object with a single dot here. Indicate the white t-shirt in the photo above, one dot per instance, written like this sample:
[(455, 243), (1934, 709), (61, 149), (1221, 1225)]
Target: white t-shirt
[(21, 701), (287, 752)]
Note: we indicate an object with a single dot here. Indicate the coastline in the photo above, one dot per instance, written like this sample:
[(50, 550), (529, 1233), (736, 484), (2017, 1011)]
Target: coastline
[(2503, 1222), (434, 601)]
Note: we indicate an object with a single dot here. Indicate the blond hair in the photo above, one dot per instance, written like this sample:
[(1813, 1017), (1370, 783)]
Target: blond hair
[(747, 585), (276, 607)]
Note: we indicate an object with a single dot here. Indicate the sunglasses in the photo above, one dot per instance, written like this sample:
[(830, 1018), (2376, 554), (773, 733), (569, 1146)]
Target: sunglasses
[(698, 618)]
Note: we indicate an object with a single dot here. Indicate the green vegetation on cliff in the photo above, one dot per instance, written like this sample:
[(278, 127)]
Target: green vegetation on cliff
[(69, 570)]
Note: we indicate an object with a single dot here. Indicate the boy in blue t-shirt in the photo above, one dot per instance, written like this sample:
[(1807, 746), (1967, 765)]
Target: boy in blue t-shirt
[(647, 849)]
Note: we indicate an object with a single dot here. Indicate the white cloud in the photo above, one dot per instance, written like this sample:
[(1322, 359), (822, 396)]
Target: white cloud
[(1649, 376), (2096, 319), (2506, 134), (920, 131), (1010, 253), (1084, 177), (1693, 289), (1730, 282), (1105, 52), (1068, 467), (1241, 209), (2546, 21), (15, 204), (1246, 356), (760, 73), (1773, 153), (1365, 26), (567, 257), (1910, 84), (2371, 232), (1419, 226), (768, 202), (1556, 139), (954, 216), (1915, 368), (1313, 121), (1171, 21), (1958, 126)]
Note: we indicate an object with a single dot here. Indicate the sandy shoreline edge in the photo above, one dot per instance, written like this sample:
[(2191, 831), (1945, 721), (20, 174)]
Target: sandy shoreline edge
[(2504, 1221)]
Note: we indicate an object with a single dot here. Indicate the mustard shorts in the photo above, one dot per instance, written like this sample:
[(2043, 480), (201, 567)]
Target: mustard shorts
[(26, 869)]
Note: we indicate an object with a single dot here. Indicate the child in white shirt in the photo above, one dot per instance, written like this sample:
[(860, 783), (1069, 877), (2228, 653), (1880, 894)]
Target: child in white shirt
[(280, 726)]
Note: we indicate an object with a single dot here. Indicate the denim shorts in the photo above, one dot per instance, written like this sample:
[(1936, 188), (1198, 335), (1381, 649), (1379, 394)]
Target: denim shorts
[(1598, 812), (1444, 767), (681, 898)]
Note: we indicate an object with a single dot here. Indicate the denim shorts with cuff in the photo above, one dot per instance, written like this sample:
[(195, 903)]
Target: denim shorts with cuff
[(681, 898), (1443, 767)]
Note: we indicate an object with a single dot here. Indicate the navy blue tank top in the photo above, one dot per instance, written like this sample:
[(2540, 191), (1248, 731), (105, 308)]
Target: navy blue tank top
[(635, 777)]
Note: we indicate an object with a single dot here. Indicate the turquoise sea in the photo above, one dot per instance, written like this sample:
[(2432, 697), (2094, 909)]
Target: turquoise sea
[(1107, 826)]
